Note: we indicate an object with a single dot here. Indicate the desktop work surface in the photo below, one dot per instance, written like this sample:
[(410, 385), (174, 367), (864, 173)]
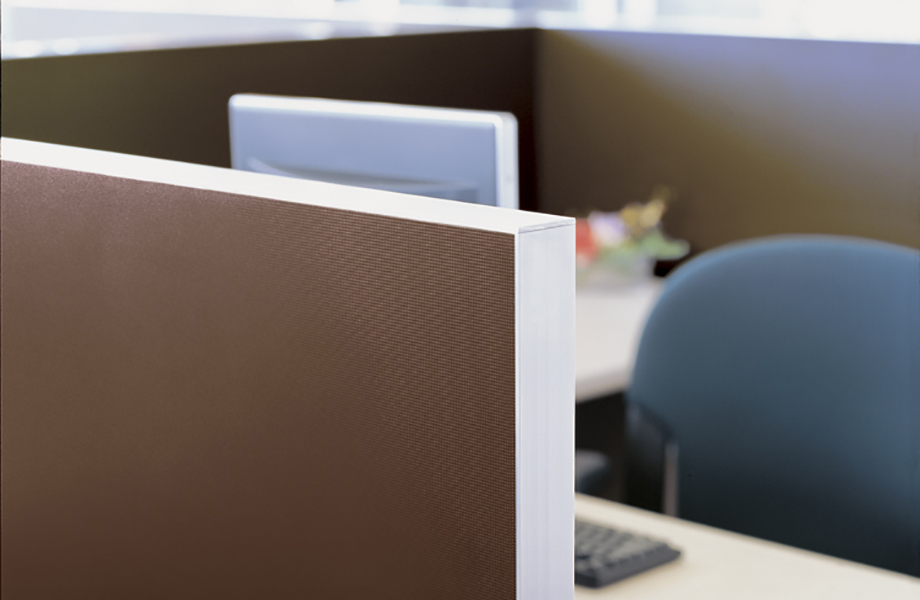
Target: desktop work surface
[(718, 564), (608, 327)]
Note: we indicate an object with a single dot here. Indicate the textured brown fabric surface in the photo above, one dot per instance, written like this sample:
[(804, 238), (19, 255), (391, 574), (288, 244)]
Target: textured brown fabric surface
[(214, 396)]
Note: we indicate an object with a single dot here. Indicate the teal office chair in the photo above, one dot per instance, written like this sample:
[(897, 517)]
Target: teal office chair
[(788, 372)]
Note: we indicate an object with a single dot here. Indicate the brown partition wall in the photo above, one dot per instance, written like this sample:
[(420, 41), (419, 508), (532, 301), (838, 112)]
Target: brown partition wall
[(214, 395), (173, 103), (759, 136)]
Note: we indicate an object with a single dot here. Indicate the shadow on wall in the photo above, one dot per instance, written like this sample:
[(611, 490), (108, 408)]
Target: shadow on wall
[(760, 136)]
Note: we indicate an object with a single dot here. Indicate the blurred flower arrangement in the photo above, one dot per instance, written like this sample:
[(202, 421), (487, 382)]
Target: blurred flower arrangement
[(621, 247)]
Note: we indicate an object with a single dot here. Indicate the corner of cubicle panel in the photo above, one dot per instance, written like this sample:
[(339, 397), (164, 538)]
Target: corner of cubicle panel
[(545, 334)]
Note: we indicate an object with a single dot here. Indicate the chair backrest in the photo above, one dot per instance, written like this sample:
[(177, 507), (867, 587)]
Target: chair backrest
[(789, 371)]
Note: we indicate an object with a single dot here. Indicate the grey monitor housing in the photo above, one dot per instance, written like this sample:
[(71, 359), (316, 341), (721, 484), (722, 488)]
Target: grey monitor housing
[(465, 155)]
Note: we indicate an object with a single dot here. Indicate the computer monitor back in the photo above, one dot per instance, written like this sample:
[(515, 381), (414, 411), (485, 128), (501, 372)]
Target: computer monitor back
[(465, 155)]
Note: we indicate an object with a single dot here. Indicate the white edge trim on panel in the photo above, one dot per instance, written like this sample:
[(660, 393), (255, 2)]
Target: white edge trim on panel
[(545, 339), (287, 189)]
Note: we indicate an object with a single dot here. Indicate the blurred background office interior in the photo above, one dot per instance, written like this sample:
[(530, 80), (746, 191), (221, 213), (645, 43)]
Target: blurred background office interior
[(67, 26), (767, 117)]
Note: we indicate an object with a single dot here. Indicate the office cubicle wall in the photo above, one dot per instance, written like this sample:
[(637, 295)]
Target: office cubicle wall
[(51, 23), (173, 103), (759, 136), (222, 384)]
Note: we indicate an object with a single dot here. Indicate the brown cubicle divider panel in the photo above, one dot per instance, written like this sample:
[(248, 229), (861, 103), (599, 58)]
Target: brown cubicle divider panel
[(172, 103), (759, 136), (220, 384)]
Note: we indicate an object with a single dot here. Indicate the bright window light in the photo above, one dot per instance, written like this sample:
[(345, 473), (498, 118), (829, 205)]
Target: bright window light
[(868, 20)]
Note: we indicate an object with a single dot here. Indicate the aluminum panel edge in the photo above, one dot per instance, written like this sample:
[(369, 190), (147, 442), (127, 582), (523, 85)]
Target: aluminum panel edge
[(545, 334), (287, 189)]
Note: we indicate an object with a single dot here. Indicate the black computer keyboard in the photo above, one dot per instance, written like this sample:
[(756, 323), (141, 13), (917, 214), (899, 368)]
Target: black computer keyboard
[(604, 556)]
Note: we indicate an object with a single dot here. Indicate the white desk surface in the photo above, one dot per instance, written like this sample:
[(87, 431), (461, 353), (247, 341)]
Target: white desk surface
[(718, 565), (608, 326)]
